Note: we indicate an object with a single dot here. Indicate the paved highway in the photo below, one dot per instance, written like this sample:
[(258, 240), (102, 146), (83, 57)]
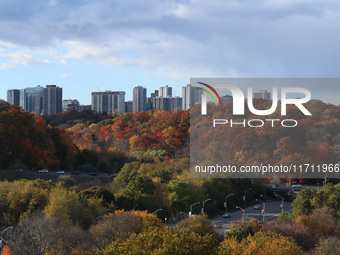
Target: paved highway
[(272, 210), (100, 175)]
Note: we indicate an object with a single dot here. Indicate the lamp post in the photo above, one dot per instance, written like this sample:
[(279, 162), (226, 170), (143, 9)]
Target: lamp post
[(1, 239), (226, 203), (281, 202), (203, 204), (244, 197), (157, 211), (263, 207), (192, 206), (242, 211), (184, 214)]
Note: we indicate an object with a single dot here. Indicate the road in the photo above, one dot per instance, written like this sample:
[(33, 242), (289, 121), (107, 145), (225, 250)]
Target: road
[(100, 175), (272, 211)]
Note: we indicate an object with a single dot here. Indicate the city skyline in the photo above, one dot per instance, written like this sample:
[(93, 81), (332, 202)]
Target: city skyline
[(107, 45)]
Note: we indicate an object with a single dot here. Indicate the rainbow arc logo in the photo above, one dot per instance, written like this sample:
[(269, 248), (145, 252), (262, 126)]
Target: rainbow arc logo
[(209, 93)]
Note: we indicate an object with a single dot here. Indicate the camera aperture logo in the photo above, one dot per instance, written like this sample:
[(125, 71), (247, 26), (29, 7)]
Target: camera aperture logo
[(238, 101)]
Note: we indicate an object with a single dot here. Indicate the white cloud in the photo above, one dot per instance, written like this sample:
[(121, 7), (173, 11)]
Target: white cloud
[(65, 75), (178, 38), (26, 59), (5, 66)]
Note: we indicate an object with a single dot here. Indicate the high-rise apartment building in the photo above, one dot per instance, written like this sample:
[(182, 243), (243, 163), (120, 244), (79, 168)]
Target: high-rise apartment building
[(227, 99), (139, 102), (70, 104), (52, 100), (13, 96), (165, 91), (190, 97), (31, 99), (108, 101), (264, 94), (128, 106)]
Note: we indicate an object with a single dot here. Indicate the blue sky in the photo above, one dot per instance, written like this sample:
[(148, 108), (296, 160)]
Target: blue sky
[(86, 46)]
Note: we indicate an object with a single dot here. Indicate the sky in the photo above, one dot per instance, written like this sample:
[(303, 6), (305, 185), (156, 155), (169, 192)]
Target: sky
[(85, 46)]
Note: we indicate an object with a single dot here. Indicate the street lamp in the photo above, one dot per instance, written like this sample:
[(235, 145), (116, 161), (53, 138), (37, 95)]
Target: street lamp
[(263, 207), (192, 206), (225, 202), (184, 214), (281, 202), (203, 204), (157, 211), (242, 211), (97, 218), (1, 239), (244, 197)]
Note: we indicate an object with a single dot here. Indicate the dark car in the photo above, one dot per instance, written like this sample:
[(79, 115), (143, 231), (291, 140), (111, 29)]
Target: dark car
[(76, 173), (93, 174)]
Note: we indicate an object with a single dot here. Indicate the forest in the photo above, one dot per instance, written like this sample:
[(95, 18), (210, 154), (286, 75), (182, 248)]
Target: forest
[(150, 151)]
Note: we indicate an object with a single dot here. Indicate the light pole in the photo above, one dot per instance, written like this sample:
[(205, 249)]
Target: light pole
[(192, 206), (184, 214), (244, 197), (203, 204), (226, 203), (281, 202), (1, 239), (157, 211), (263, 207), (97, 218), (242, 211)]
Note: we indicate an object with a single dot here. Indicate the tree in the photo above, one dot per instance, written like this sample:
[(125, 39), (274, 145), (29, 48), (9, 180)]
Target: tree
[(72, 209), (302, 204), (261, 243)]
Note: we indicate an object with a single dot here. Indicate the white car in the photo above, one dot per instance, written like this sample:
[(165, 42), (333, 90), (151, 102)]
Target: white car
[(256, 207), (43, 171), (61, 172)]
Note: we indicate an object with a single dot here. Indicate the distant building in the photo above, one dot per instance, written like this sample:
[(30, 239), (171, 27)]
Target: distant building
[(108, 101), (31, 99), (85, 107), (139, 102), (70, 104), (176, 103), (161, 103), (190, 97), (165, 91), (227, 99), (13, 96), (128, 106), (154, 94), (52, 100), (264, 94)]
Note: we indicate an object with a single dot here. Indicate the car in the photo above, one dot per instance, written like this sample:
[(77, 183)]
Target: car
[(45, 171), (226, 215), (256, 207), (217, 225), (60, 172), (93, 174), (76, 173), (114, 175), (297, 186), (19, 170)]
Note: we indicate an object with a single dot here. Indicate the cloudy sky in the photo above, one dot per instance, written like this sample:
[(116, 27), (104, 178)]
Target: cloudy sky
[(86, 46)]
